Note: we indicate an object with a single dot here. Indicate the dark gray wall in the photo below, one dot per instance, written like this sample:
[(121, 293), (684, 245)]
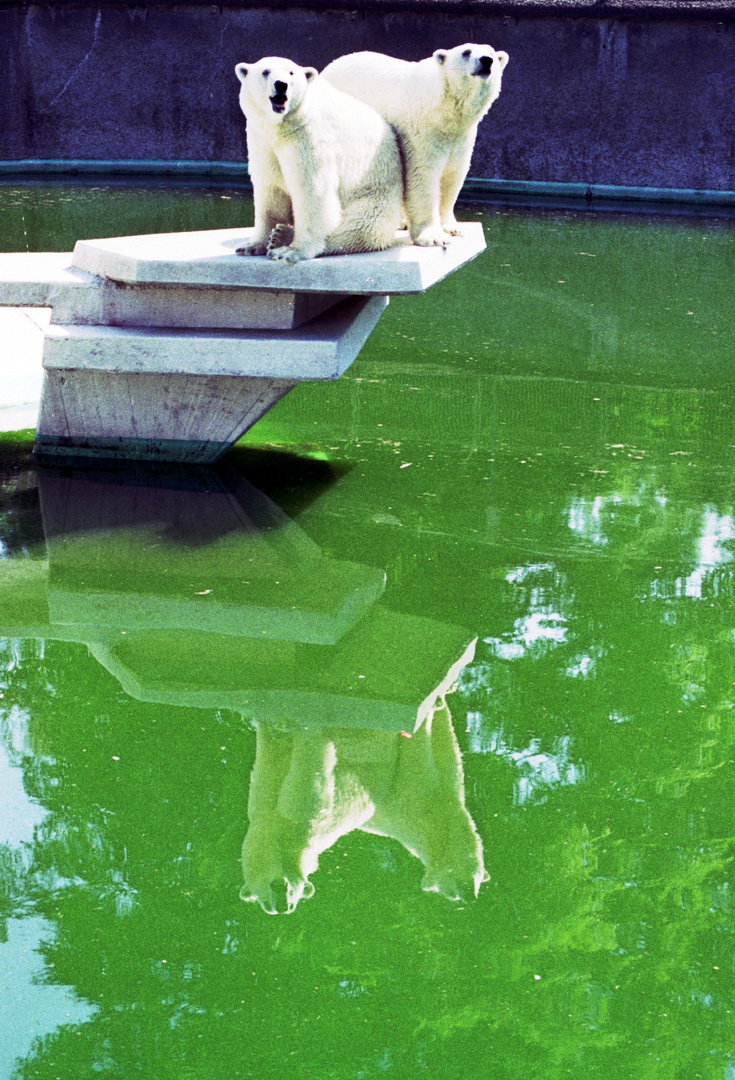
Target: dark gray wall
[(621, 93)]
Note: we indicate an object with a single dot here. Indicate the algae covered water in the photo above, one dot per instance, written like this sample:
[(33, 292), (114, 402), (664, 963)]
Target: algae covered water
[(459, 623)]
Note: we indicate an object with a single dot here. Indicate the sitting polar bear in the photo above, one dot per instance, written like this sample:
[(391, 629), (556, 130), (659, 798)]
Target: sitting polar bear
[(435, 106), (326, 168), (310, 788)]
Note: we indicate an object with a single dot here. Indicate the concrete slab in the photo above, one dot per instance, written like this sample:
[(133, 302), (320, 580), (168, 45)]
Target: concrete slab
[(321, 349), (149, 417), (47, 279), (208, 258), (36, 278), (116, 303)]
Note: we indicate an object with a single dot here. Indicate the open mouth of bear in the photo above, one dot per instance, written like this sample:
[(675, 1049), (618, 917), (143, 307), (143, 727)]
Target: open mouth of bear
[(278, 102)]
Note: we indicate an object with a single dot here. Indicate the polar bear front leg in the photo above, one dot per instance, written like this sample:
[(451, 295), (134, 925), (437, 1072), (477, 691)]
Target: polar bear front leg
[(272, 204), (451, 183), (272, 208), (312, 185), (423, 182), (313, 221)]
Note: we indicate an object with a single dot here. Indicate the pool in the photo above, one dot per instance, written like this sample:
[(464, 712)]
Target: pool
[(458, 623)]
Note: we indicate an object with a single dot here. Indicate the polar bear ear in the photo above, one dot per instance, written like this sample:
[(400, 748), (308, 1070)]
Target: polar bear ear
[(440, 56), (310, 73), (501, 58), (241, 71)]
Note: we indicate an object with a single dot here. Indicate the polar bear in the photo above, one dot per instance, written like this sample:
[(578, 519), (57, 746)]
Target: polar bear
[(326, 168), (310, 788), (435, 106)]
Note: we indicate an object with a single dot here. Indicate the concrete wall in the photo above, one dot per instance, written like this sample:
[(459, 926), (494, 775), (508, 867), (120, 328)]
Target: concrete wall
[(634, 93)]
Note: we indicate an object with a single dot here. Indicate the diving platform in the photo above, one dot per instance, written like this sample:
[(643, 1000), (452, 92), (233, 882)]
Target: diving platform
[(169, 346)]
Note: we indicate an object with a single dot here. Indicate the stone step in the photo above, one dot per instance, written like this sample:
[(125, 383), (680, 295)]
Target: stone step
[(116, 303), (321, 349), (40, 278)]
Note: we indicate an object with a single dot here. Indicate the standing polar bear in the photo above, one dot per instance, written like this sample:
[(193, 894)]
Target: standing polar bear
[(326, 168), (435, 106)]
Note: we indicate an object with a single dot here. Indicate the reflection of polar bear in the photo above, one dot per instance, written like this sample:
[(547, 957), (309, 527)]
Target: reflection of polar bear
[(309, 789), (435, 106), (326, 169)]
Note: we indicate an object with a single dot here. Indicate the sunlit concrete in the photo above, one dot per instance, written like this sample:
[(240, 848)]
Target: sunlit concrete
[(21, 370)]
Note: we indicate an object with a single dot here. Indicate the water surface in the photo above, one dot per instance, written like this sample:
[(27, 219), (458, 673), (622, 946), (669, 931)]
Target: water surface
[(466, 611)]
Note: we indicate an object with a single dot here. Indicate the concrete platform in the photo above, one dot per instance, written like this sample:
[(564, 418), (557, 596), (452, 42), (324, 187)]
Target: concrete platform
[(39, 278), (208, 259), (170, 346)]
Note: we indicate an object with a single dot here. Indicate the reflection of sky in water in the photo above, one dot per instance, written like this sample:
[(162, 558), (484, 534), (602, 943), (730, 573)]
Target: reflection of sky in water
[(587, 517), (540, 629), (538, 770), (713, 552), (544, 626), (717, 530), (19, 815), (29, 1007)]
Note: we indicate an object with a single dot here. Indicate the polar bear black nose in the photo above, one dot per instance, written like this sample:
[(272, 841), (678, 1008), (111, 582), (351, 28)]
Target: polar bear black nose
[(280, 87), (485, 62)]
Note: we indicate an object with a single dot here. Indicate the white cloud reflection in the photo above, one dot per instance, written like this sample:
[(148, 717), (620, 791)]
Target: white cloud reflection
[(539, 771)]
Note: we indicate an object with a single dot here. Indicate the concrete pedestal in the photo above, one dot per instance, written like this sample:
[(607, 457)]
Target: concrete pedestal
[(169, 347)]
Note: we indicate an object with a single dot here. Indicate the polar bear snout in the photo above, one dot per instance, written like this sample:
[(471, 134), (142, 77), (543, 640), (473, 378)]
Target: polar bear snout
[(279, 96), (483, 66)]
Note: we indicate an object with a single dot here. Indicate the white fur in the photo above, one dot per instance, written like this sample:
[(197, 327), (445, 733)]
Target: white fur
[(435, 106), (309, 789), (326, 169)]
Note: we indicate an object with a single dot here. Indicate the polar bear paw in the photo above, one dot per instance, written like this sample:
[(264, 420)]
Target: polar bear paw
[(287, 255), (257, 248), (432, 237), (281, 236)]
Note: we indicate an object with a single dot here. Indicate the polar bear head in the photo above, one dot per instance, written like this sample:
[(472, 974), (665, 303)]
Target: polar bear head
[(473, 71), (272, 87)]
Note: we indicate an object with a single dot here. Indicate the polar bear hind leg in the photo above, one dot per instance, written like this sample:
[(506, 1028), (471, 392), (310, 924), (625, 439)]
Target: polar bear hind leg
[(367, 225)]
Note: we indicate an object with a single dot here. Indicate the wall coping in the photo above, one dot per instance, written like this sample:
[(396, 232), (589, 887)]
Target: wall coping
[(478, 189), (722, 10)]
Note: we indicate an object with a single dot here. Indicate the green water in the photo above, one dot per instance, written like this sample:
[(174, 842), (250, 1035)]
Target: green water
[(536, 457)]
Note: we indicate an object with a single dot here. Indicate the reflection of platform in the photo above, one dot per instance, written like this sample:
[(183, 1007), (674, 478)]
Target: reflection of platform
[(196, 590), (387, 673), (225, 561)]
